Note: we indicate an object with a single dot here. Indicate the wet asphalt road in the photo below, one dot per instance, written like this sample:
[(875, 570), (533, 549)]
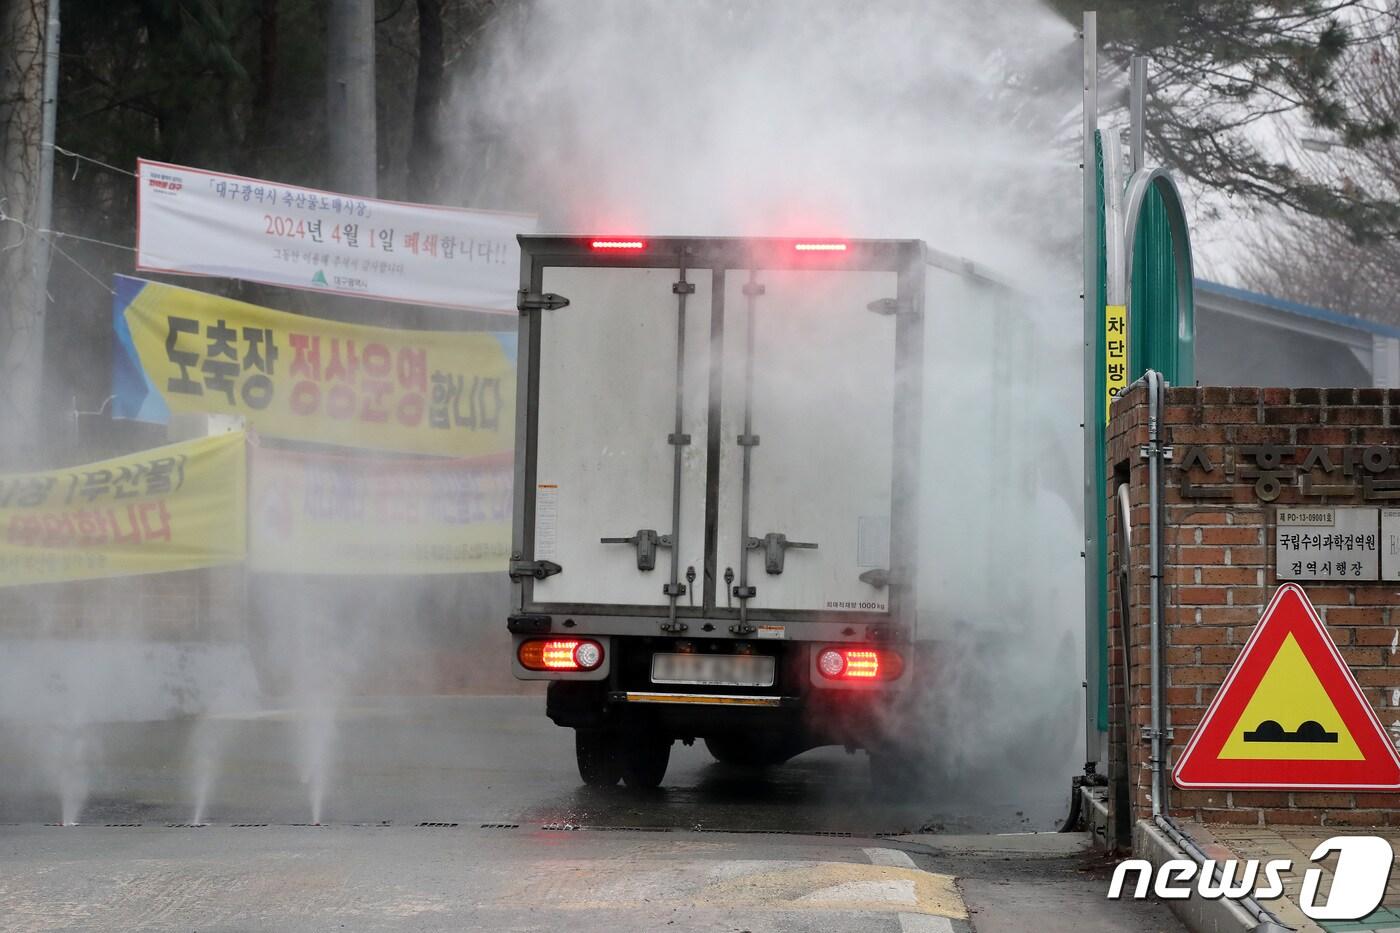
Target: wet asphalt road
[(465, 813), (457, 759)]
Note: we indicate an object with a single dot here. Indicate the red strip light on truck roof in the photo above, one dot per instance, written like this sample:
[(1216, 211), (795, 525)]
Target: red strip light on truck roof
[(618, 244), (819, 247)]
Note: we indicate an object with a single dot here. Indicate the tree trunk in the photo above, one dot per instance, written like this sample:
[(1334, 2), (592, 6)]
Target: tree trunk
[(21, 323), (425, 149), (350, 114), (264, 92)]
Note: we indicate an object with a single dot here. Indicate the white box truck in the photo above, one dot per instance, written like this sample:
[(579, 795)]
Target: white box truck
[(716, 495)]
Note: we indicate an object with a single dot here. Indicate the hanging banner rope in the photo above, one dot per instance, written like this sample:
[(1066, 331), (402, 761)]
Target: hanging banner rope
[(431, 392), (178, 507)]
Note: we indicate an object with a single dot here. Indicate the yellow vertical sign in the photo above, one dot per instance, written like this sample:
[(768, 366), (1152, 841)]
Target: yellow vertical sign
[(1115, 357)]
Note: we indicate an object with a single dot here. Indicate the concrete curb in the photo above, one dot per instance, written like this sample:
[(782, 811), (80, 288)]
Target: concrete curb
[(1198, 914)]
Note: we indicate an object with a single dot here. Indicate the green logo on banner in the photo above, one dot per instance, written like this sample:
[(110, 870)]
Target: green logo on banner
[(319, 278)]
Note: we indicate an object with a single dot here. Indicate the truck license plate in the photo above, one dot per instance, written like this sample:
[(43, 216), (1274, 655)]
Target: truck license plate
[(719, 670)]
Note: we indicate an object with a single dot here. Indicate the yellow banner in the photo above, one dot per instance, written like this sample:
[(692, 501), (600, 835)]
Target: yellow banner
[(177, 507), (321, 513), (290, 376), (1115, 355)]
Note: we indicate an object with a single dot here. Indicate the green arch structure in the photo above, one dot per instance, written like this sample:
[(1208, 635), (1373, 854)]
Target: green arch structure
[(1161, 301), (1161, 331)]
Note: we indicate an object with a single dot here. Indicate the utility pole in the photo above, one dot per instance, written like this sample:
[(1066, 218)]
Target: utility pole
[(350, 114)]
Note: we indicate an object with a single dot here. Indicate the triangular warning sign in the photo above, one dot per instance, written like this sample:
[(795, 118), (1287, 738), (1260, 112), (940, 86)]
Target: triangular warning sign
[(1289, 715)]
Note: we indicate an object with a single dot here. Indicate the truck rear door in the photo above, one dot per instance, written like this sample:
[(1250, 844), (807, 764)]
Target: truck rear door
[(606, 437), (718, 435), (809, 401)]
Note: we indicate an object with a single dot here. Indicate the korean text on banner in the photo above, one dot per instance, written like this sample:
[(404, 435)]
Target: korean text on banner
[(1115, 354), (319, 513), (177, 507), (197, 222), (433, 392)]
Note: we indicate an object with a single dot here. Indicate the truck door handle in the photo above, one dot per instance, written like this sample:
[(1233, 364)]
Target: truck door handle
[(646, 541), (775, 546)]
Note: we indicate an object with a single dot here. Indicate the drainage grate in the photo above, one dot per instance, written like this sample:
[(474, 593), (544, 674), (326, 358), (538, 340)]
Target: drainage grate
[(308, 825), (560, 827), (186, 825), (771, 832), (500, 825), (248, 825), (438, 825), (121, 825)]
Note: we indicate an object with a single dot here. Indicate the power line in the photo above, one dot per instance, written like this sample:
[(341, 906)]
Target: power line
[(50, 235), (107, 165)]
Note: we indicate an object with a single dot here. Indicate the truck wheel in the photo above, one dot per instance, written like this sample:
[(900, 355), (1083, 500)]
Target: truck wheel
[(644, 760), (745, 752), (596, 753)]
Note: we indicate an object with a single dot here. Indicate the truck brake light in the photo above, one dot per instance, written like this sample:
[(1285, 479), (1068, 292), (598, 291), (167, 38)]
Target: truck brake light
[(819, 247), (560, 654), (618, 244), (859, 664)]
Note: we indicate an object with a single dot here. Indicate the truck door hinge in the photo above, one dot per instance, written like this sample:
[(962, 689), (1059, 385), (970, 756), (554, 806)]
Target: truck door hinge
[(878, 578), (524, 301), (674, 628), (742, 628), (745, 592), (888, 307), (682, 288), (528, 624), (536, 569), (646, 542), (775, 546)]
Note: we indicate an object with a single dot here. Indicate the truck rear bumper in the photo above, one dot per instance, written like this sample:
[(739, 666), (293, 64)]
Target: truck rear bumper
[(821, 717)]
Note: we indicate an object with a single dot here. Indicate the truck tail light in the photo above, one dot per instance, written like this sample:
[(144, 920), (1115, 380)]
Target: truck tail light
[(618, 244), (859, 664), (560, 654), (827, 247)]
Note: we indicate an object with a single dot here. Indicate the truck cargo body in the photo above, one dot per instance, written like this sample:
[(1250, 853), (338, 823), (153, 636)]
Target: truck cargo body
[(716, 525)]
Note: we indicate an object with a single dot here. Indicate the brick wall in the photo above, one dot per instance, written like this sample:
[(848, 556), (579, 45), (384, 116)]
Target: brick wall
[(1219, 571)]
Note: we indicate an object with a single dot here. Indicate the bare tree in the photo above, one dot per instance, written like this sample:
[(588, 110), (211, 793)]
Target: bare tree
[(1326, 262), (21, 324)]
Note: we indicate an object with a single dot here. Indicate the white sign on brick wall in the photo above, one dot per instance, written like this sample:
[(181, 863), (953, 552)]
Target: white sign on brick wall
[(1327, 543), (1390, 544)]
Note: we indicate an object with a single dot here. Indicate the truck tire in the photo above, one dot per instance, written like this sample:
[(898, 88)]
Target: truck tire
[(644, 760), (745, 751), (597, 755)]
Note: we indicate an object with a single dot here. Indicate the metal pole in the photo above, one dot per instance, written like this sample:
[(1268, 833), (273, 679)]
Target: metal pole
[(1091, 427), (1154, 551), (1137, 91), (350, 110)]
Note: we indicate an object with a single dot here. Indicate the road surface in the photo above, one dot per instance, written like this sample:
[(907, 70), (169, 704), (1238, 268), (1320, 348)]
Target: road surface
[(466, 813)]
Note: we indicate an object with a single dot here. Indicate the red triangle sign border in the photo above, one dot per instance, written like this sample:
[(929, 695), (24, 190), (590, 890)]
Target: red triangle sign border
[(1289, 612)]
